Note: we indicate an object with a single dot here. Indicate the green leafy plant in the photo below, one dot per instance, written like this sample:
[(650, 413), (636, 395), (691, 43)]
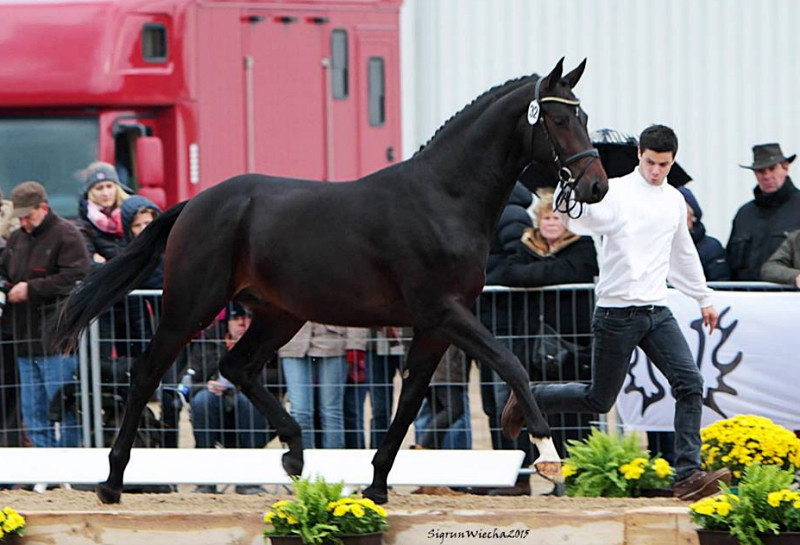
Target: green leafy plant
[(319, 514), (745, 439), (11, 523), (612, 466), (764, 504)]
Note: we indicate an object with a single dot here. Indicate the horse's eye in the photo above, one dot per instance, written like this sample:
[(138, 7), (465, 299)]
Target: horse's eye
[(561, 120)]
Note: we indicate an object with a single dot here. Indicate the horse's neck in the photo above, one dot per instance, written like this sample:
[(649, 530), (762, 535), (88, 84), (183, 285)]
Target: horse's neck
[(478, 171)]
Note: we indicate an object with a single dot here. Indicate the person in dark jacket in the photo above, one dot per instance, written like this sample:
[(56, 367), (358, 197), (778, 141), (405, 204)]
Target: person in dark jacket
[(99, 212), (712, 255), (43, 261), (138, 212), (551, 255), (220, 413), (497, 310), (761, 225), (783, 267)]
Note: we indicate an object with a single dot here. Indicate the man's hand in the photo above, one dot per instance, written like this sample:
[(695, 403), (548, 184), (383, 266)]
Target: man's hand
[(18, 293), (710, 318), (215, 387)]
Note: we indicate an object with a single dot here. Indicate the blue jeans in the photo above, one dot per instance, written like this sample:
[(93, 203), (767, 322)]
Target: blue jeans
[(41, 378), (458, 435), (617, 332), (329, 375), (354, 396), (230, 420), (380, 377)]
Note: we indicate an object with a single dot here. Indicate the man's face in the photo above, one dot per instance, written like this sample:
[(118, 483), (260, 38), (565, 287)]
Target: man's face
[(34, 218), (655, 165), (770, 179)]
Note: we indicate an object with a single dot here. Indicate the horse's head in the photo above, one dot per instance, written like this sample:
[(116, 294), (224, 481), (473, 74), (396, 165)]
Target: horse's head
[(560, 146)]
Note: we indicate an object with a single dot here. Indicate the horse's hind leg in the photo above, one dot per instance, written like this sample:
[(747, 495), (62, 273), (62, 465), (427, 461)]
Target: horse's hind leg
[(269, 330), (423, 356)]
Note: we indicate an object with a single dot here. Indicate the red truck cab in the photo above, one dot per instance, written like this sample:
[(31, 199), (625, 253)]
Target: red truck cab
[(182, 94)]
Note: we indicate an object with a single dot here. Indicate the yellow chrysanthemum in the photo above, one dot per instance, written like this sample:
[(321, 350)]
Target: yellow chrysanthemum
[(568, 470), (268, 516), (357, 510), (662, 468), (340, 510)]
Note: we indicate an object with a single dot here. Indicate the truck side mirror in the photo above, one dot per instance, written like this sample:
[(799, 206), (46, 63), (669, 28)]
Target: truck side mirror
[(150, 169)]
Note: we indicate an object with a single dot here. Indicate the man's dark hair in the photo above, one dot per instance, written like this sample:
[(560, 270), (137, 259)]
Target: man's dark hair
[(658, 138)]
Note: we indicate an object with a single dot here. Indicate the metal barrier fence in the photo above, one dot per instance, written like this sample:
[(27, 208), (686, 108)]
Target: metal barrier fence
[(549, 329)]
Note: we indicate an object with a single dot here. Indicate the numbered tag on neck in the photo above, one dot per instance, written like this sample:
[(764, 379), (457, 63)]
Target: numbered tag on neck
[(533, 112)]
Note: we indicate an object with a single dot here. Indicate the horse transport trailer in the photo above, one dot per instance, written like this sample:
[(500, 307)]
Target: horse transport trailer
[(181, 94)]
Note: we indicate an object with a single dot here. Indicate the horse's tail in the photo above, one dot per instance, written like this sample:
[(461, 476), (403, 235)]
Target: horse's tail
[(111, 282)]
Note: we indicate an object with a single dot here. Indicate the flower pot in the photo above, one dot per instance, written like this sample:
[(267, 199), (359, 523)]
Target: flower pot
[(11, 539), (712, 537), (373, 538), (785, 538)]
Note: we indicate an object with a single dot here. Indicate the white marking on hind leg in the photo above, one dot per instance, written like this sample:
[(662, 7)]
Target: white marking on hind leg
[(547, 450)]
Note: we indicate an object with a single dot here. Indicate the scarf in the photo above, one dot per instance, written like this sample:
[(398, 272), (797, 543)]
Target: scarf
[(110, 223)]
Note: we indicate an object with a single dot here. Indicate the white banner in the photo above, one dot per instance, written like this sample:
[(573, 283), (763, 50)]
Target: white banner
[(750, 364)]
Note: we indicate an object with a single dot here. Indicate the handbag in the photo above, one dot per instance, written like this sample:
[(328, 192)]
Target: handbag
[(551, 353)]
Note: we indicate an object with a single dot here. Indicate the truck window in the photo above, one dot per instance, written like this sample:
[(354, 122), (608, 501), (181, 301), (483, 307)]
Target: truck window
[(376, 90), (51, 151), (339, 64), (154, 42)]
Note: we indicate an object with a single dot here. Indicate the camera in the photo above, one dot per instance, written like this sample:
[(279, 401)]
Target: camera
[(5, 286)]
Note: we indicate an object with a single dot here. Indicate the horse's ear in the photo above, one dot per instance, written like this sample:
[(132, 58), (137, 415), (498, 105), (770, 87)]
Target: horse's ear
[(573, 77), (553, 77)]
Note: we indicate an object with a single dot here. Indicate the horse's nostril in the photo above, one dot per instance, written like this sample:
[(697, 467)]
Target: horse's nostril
[(597, 189)]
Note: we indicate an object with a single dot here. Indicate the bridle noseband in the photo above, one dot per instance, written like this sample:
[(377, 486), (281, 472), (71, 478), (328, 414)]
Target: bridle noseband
[(564, 201)]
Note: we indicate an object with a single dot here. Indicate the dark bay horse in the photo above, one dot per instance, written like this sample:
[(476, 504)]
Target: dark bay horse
[(404, 246)]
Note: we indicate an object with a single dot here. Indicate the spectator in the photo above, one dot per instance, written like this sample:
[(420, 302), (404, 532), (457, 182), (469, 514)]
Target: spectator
[(761, 225), (502, 313), (385, 360), (43, 261), (646, 242), (381, 365), (712, 254), (8, 222), (221, 415), (550, 254), (316, 356), (10, 419), (783, 267), (445, 397), (100, 213)]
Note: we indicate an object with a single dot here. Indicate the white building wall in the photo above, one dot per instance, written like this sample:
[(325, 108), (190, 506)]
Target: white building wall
[(725, 74)]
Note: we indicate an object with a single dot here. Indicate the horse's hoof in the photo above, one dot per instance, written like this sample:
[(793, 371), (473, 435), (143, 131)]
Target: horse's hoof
[(106, 494), (378, 496), (550, 471), (293, 464)]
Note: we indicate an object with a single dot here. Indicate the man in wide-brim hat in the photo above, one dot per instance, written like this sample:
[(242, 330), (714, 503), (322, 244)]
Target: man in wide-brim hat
[(760, 225)]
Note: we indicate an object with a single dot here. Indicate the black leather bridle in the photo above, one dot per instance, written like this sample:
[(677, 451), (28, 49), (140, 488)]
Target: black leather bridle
[(564, 201)]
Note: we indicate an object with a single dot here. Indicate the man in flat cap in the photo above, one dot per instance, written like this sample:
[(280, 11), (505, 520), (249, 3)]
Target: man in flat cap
[(761, 224), (42, 262)]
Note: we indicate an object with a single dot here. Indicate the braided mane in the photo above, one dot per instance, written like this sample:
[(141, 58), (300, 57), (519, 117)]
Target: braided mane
[(477, 106)]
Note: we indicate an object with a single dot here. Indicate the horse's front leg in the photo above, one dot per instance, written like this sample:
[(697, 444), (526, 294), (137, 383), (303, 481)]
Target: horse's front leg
[(464, 330), (423, 356)]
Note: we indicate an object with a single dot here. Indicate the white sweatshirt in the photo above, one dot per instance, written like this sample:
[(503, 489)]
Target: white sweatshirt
[(645, 243)]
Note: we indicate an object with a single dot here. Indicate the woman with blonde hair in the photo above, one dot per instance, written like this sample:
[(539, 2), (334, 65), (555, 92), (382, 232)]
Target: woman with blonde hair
[(550, 254), (100, 214)]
